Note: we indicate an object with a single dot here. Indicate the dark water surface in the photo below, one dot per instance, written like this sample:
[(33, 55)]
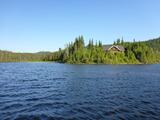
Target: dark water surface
[(46, 91)]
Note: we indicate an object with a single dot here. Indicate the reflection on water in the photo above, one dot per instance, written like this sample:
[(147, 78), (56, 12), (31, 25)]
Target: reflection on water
[(46, 91)]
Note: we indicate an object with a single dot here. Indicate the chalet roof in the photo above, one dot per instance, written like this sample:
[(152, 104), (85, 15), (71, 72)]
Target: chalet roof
[(108, 47)]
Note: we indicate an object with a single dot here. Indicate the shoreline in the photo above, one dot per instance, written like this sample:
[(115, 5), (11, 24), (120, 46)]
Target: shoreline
[(80, 63)]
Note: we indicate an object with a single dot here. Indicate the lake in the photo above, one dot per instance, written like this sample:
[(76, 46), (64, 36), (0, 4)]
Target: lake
[(52, 91)]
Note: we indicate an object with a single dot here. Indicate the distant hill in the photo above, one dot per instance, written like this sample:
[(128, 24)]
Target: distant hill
[(8, 56), (154, 43), (43, 52), (5, 51)]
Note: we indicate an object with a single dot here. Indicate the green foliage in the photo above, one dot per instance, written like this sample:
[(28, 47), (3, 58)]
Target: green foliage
[(135, 53), (6, 56), (93, 53)]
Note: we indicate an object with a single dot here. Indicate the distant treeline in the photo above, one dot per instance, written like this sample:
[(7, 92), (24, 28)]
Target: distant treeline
[(7, 56), (77, 52)]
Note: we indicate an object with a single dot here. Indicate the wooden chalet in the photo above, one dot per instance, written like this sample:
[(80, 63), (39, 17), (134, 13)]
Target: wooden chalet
[(113, 48)]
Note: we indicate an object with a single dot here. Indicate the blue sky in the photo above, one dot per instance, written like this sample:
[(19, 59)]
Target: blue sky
[(37, 25)]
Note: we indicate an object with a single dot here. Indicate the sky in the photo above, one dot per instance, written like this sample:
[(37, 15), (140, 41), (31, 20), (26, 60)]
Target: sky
[(47, 25)]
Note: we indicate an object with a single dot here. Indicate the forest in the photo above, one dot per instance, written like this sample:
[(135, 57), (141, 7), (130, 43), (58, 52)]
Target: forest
[(136, 52), (8, 56)]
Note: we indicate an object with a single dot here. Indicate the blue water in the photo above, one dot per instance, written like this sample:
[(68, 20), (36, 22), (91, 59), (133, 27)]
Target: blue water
[(51, 91)]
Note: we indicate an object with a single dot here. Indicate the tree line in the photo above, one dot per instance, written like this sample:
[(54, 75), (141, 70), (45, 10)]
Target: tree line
[(77, 52), (93, 53), (7, 56)]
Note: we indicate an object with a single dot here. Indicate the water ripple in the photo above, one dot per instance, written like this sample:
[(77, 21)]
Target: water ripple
[(49, 91)]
